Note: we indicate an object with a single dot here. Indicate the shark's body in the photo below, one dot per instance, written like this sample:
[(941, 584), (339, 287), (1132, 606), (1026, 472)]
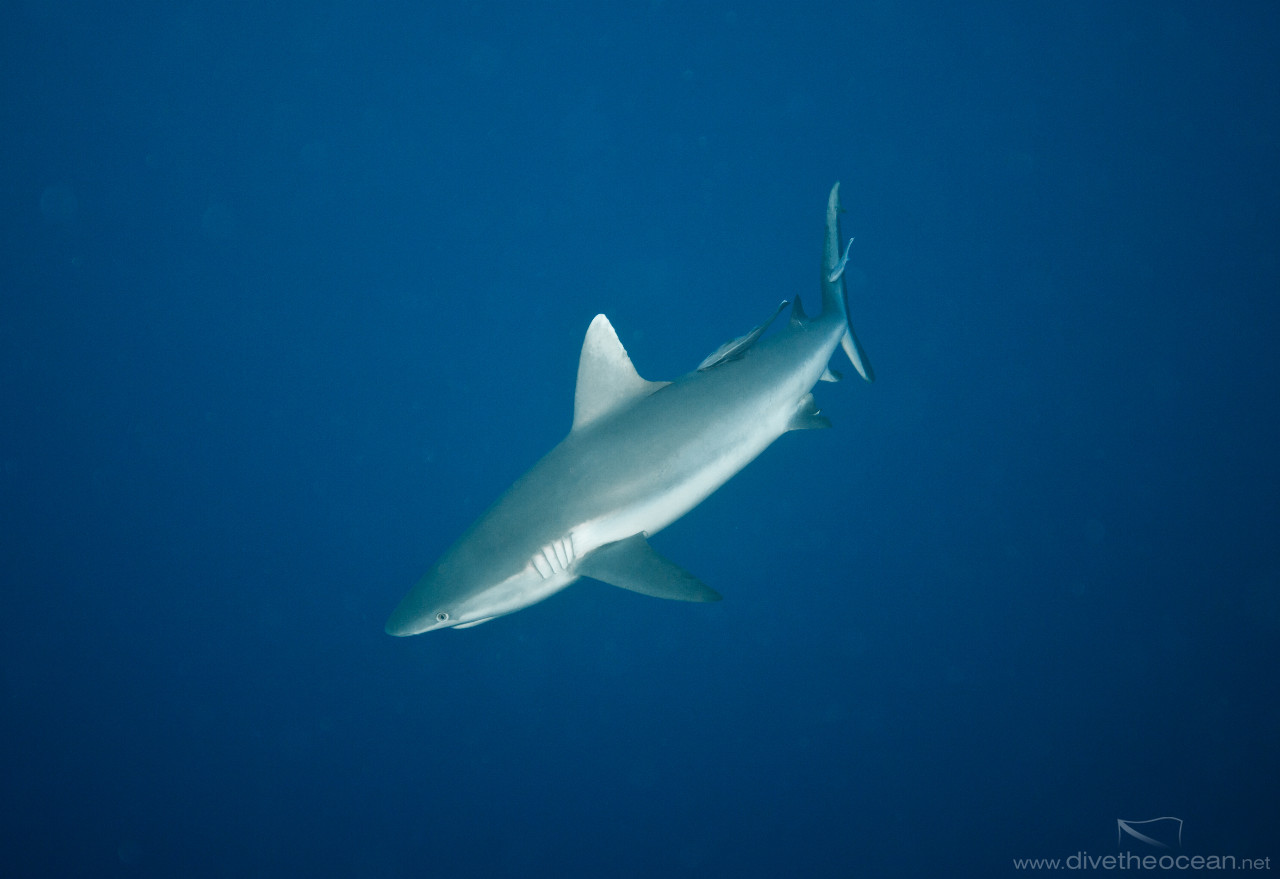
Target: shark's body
[(640, 455)]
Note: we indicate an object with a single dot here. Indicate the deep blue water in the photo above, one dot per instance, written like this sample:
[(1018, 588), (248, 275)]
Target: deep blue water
[(290, 292)]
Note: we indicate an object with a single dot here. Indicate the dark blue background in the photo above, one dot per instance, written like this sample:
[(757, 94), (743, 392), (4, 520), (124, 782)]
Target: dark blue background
[(291, 291)]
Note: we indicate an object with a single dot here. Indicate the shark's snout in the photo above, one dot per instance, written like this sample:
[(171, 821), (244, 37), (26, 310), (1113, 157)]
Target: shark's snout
[(410, 620), (401, 627)]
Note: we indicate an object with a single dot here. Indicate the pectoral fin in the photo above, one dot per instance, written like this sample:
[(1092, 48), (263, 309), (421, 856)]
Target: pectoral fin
[(631, 563)]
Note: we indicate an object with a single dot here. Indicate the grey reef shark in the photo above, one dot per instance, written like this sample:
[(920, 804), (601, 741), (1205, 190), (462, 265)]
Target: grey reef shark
[(640, 455)]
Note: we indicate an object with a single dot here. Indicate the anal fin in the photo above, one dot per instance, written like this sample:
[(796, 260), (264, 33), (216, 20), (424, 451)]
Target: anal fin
[(631, 563)]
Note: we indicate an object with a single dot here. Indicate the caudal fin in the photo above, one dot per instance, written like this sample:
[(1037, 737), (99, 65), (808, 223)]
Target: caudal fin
[(835, 295)]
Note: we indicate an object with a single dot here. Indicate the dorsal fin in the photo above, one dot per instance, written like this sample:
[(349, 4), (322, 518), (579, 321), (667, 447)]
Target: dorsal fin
[(607, 381), (798, 317)]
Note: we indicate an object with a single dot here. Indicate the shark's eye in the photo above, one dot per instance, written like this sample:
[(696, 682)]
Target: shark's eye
[(442, 617)]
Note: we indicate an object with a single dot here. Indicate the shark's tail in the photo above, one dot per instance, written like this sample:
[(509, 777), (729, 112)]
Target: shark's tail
[(835, 295)]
